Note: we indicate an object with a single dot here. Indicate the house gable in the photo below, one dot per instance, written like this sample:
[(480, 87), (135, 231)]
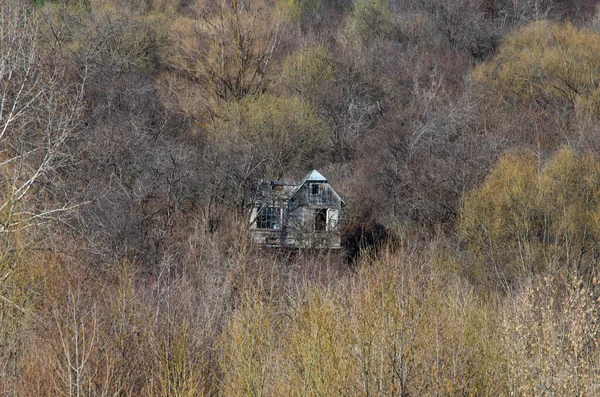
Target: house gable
[(314, 178), (306, 214)]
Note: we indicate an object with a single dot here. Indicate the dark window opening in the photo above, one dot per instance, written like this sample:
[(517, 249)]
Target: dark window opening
[(268, 218), (314, 189), (292, 204), (320, 219)]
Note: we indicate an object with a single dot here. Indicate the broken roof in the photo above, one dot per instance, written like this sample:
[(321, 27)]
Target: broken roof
[(286, 190)]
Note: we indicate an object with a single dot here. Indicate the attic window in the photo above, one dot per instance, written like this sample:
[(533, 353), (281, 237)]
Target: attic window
[(268, 218), (320, 219), (314, 189)]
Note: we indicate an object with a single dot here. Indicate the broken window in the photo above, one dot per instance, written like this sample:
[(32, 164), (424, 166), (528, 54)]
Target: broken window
[(320, 219), (268, 218), (314, 188)]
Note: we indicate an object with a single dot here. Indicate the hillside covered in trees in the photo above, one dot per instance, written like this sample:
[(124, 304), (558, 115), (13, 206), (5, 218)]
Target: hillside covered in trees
[(464, 136)]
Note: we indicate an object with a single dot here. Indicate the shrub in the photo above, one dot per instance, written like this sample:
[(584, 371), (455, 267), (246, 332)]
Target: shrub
[(526, 215), (549, 64)]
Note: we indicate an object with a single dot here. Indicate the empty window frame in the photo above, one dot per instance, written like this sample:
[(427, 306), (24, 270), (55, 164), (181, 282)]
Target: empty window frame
[(315, 188), (268, 218), (320, 219)]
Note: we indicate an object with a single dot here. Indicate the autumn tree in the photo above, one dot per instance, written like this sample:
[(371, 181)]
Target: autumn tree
[(265, 136), (301, 11), (286, 132), (219, 56), (370, 19), (309, 72), (313, 15), (551, 65), (528, 216)]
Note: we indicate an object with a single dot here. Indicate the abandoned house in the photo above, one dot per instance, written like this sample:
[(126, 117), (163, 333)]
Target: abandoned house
[(297, 215)]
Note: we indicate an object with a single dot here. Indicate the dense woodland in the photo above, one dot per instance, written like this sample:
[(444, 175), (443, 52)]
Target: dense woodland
[(464, 136)]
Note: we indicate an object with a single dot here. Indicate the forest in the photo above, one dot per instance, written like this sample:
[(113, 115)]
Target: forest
[(463, 135)]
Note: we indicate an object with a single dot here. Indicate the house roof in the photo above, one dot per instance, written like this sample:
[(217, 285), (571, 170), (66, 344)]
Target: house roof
[(313, 176), (287, 190), (279, 189)]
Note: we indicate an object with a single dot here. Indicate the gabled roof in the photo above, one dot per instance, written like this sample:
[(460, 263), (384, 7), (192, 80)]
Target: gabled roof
[(314, 176)]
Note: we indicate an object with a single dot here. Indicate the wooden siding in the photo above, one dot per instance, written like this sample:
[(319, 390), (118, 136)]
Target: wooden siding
[(297, 221)]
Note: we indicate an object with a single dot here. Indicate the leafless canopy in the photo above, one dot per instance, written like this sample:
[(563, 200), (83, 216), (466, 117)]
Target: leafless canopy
[(39, 111)]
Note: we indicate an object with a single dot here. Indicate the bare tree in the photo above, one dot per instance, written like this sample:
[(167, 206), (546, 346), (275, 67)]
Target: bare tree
[(235, 40), (39, 111)]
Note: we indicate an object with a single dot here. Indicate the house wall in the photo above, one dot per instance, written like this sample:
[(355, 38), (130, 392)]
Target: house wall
[(270, 237), (301, 217), (297, 219)]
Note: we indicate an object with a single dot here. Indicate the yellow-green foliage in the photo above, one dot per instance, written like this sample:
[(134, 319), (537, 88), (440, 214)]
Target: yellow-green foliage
[(396, 328), (308, 70), (549, 63), (107, 31), (419, 28), (314, 345), (496, 218), (178, 374), (22, 275), (404, 326), (370, 19), (525, 216), (300, 10), (551, 335), (284, 130), (571, 196), (247, 348)]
